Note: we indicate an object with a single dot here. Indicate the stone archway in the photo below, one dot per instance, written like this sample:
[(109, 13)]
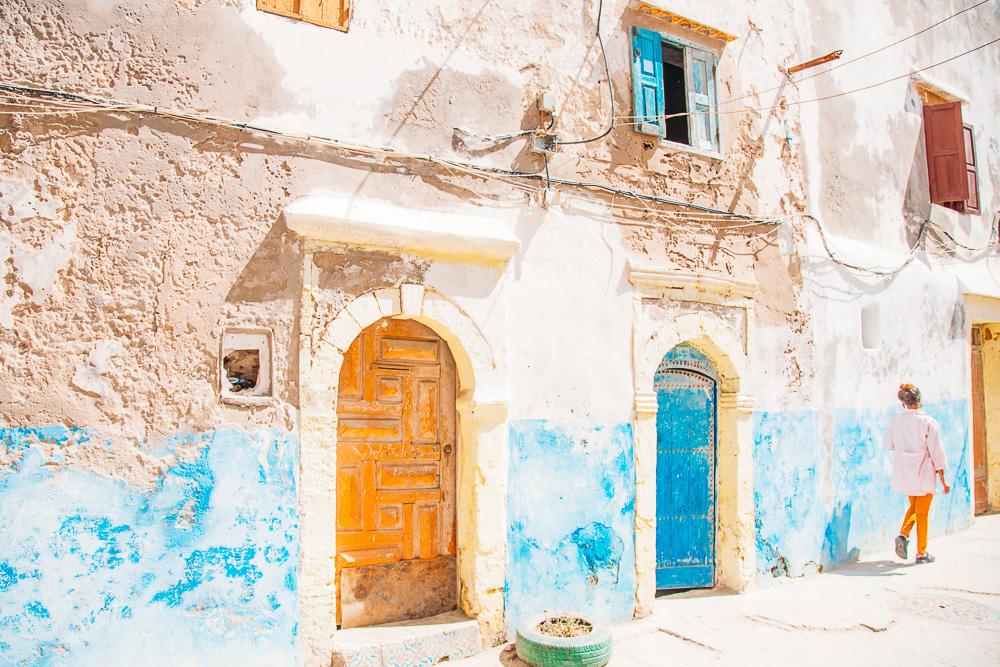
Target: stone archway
[(481, 467), (726, 347)]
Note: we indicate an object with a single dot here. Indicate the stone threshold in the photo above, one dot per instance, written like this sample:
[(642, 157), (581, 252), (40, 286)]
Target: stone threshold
[(417, 643)]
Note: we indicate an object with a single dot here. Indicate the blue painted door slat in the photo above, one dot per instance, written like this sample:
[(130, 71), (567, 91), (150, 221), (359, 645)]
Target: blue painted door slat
[(685, 471)]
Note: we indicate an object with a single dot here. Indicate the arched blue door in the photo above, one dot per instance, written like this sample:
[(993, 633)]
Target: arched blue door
[(685, 385)]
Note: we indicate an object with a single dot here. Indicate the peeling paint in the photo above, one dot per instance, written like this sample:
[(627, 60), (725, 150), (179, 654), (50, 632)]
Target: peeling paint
[(822, 485), (578, 554), (203, 565)]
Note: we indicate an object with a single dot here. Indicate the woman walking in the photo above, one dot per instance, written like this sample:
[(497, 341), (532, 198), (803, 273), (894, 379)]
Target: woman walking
[(919, 461)]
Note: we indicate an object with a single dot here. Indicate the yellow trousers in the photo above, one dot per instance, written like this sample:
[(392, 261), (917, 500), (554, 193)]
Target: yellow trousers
[(920, 507)]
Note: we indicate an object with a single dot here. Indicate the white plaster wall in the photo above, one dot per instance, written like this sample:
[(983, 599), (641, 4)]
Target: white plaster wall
[(570, 324)]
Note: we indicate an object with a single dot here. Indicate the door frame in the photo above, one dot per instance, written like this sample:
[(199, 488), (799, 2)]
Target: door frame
[(713, 378), (481, 443), (977, 423), (984, 311), (667, 312)]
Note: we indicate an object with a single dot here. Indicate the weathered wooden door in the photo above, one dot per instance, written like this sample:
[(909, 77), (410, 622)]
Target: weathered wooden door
[(685, 387), (396, 476), (979, 423)]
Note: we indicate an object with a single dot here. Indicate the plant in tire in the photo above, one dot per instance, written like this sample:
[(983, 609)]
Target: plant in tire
[(563, 640)]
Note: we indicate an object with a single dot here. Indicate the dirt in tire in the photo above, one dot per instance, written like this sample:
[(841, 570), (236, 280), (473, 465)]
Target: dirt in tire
[(565, 626)]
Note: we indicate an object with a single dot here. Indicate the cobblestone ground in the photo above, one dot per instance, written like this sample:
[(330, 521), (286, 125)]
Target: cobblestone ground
[(879, 611)]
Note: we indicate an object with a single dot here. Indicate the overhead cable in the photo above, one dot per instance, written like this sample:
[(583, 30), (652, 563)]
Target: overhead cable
[(707, 213), (112, 106), (857, 58), (630, 119)]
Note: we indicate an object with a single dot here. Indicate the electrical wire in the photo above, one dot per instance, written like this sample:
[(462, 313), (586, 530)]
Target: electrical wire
[(355, 148), (991, 244), (696, 215), (494, 138), (880, 272), (861, 57), (629, 120), (611, 90)]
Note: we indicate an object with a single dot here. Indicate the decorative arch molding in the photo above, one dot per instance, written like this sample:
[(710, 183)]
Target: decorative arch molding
[(481, 466), (481, 379), (670, 310)]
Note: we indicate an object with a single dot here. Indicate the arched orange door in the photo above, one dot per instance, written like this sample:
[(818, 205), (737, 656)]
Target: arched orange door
[(396, 476)]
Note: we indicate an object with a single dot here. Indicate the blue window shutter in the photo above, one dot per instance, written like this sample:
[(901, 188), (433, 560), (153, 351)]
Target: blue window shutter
[(647, 82), (703, 124)]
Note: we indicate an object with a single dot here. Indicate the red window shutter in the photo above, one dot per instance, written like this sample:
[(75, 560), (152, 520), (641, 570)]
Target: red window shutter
[(945, 139), (972, 203)]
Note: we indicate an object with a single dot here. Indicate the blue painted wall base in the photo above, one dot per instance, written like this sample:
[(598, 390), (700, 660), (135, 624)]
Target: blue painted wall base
[(570, 507), (821, 485), (200, 569)]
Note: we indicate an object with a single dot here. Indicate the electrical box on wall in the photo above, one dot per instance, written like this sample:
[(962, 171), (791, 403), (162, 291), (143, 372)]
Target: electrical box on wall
[(547, 103), (245, 369), (544, 144)]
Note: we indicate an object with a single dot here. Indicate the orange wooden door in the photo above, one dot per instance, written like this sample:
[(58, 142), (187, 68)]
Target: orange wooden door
[(979, 424), (396, 476)]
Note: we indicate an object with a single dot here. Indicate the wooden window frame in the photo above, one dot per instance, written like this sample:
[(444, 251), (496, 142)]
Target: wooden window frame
[(952, 167), (309, 11), (642, 123), (972, 166)]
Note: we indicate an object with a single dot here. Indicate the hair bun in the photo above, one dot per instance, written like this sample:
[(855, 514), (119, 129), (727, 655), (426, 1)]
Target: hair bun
[(909, 394)]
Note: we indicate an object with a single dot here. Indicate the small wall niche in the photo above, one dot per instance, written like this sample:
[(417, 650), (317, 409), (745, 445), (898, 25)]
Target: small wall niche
[(871, 334), (245, 366)]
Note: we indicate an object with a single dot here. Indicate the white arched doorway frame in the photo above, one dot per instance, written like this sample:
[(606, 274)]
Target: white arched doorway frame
[(481, 465), (725, 341)]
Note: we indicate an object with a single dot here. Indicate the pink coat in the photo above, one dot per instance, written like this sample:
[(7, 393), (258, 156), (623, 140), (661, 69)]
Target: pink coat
[(915, 438)]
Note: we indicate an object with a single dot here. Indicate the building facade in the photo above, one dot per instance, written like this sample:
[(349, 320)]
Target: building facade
[(319, 315)]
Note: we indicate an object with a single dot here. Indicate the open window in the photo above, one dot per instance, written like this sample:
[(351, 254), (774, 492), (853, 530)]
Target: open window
[(674, 90), (951, 158), (327, 13), (245, 366)]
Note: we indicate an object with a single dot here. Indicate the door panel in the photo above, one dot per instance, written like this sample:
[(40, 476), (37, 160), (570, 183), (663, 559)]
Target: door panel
[(395, 476), (979, 424), (685, 478)]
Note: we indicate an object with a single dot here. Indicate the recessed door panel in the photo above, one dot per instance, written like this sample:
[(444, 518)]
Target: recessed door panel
[(396, 476), (685, 471)]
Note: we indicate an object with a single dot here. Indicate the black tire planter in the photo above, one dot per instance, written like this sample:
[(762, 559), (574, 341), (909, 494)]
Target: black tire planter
[(540, 650)]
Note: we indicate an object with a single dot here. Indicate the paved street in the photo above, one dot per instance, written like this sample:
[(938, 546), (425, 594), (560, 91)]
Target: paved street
[(879, 611)]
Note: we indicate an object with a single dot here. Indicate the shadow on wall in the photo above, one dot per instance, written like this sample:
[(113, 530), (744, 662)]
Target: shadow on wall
[(821, 485), (836, 538), (169, 66), (273, 273)]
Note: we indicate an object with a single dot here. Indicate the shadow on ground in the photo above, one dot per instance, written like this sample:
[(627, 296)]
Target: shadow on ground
[(508, 657), (874, 568)]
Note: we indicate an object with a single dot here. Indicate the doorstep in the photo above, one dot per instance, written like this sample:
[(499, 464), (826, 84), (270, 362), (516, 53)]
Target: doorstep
[(418, 643)]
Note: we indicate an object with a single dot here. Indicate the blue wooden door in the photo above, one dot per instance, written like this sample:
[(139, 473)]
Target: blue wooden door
[(685, 387)]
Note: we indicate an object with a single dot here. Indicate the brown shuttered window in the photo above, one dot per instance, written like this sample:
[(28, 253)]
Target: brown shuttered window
[(972, 203), (946, 162), (327, 13)]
